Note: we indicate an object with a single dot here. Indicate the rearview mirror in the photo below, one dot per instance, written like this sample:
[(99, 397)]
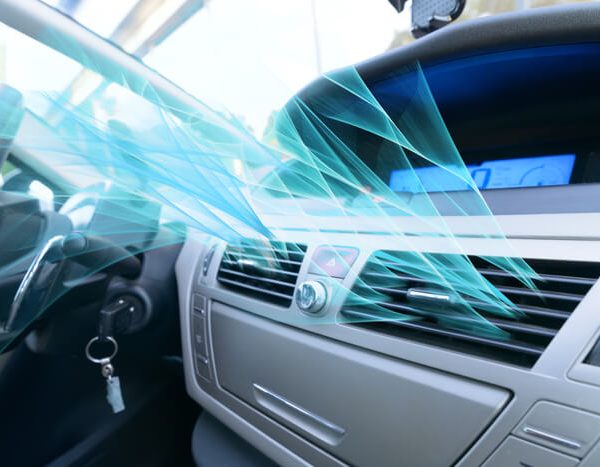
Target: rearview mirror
[(428, 15)]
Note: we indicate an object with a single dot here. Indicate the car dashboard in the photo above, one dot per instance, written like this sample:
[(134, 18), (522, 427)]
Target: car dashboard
[(287, 355), (236, 343)]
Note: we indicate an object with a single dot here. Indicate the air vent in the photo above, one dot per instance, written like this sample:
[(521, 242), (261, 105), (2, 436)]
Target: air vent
[(265, 271), (422, 307)]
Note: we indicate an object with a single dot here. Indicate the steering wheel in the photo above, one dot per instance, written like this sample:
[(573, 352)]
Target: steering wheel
[(62, 261)]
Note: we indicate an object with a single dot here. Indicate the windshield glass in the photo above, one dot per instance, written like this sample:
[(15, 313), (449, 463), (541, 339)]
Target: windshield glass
[(219, 50), (252, 56)]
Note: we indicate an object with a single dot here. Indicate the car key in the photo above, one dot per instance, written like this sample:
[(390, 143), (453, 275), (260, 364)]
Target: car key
[(114, 396), (106, 328), (108, 317)]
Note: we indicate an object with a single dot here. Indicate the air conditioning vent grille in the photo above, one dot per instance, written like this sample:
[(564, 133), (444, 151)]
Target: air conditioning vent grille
[(265, 271), (383, 300)]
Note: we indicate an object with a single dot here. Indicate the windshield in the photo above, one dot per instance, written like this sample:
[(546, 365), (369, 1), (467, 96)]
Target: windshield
[(244, 58), (250, 57)]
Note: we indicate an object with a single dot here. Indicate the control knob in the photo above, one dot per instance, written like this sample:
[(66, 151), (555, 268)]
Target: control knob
[(311, 296)]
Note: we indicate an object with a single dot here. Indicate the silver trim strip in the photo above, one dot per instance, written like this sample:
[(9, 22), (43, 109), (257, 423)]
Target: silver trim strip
[(550, 437), (331, 433), (421, 294)]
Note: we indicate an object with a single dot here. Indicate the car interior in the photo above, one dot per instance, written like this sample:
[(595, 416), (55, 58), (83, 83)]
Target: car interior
[(141, 326)]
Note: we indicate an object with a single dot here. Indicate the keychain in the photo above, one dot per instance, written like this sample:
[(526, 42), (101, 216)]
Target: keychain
[(113, 385)]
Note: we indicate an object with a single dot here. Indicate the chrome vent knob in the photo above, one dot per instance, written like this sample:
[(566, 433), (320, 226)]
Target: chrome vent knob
[(311, 296)]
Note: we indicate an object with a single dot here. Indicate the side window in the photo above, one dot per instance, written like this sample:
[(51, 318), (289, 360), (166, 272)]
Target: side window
[(23, 181)]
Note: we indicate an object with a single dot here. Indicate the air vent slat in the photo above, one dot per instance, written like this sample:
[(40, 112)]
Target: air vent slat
[(544, 312), (541, 277), (267, 280), (227, 265), (518, 327), (390, 297), (255, 270), (273, 258), (541, 294), (508, 325), (293, 251), (256, 289), (508, 345), (529, 310), (397, 276)]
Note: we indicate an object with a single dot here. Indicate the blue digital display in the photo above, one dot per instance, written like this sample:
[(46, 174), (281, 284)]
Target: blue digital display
[(490, 175)]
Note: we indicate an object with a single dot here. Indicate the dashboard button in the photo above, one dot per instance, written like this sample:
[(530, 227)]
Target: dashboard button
[(202, 367), (199, 335), (199, 303), (333, 261)]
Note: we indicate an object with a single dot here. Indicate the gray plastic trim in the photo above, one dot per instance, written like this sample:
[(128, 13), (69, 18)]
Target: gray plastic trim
[(561, 428), (546, 381), (185, 267), (577, 198), (390, 409), (517, 452)]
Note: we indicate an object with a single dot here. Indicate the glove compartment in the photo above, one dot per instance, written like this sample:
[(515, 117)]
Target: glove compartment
[(362, 407)]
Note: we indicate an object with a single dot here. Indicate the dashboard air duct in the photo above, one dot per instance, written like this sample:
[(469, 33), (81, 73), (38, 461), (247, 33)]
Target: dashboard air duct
[(385, 299), (264, 271)]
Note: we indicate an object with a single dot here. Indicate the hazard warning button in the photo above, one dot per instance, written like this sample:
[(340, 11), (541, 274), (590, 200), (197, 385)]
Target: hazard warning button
[(333, 261)]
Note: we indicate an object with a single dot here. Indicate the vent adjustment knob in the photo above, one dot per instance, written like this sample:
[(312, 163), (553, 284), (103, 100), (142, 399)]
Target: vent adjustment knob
[(311, 296)]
